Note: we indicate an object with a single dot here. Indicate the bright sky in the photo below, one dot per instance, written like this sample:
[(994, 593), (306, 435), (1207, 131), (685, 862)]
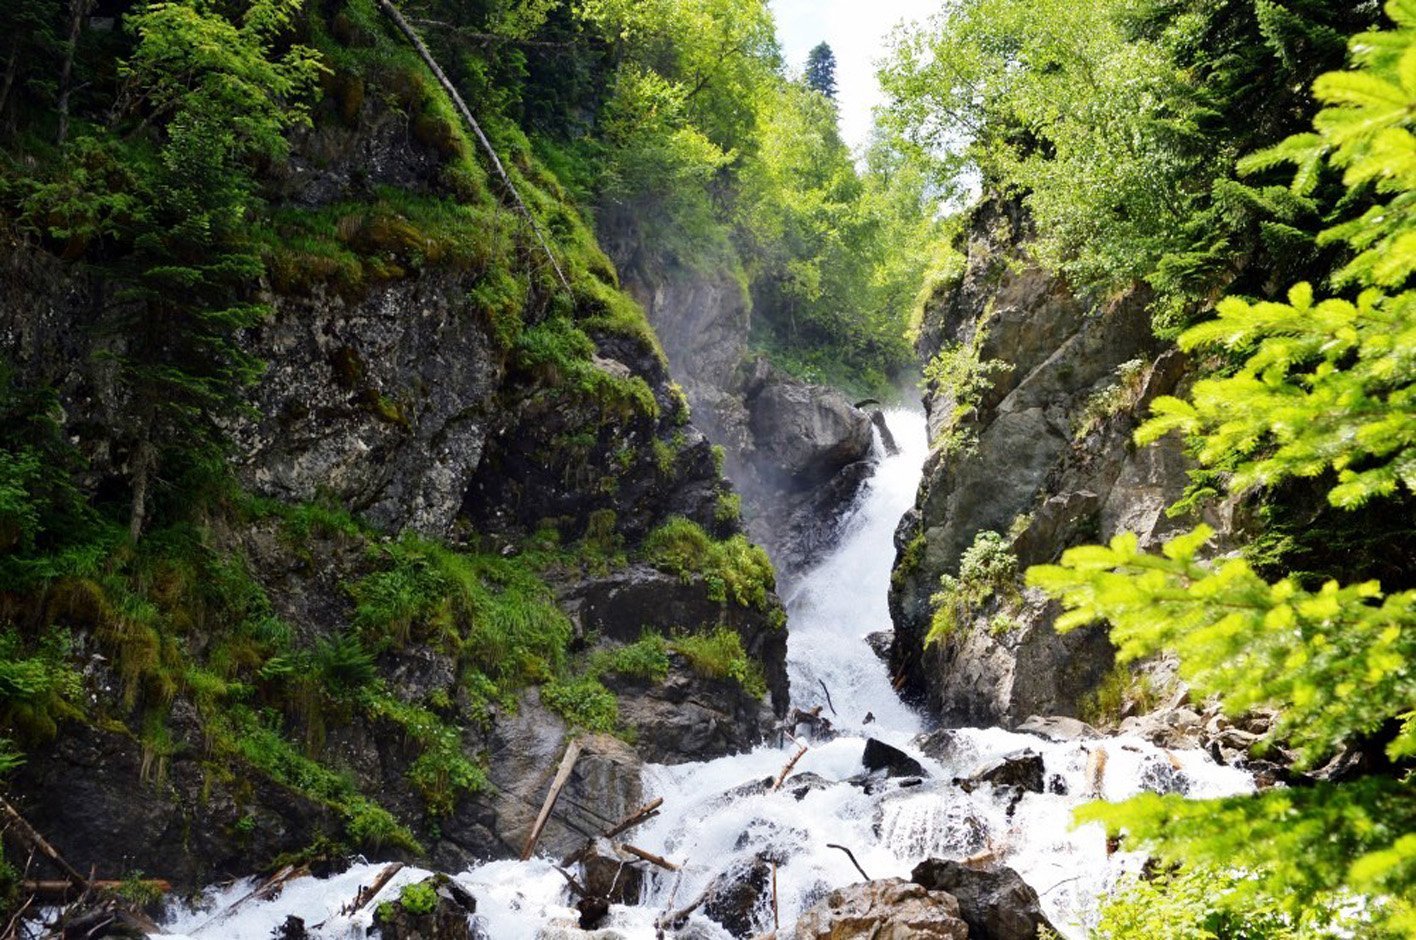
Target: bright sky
[(857, 31)]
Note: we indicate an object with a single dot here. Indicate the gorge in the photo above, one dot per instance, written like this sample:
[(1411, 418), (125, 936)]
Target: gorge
[(461, 472)]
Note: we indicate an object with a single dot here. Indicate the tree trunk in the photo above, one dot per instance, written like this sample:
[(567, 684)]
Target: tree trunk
[(78, 9), (144, 467)]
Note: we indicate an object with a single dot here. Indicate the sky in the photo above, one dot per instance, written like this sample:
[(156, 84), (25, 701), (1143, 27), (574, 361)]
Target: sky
[(857, 31)]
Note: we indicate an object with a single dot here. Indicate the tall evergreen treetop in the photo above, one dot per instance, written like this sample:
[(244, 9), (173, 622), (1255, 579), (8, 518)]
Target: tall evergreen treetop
[(821, 70)]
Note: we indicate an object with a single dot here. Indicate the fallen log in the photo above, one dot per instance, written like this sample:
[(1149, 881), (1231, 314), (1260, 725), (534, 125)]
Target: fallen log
[(647, 856), (642, 814), (264, 891), (567, 764), (57, 891), (364, 895), (27, 834)]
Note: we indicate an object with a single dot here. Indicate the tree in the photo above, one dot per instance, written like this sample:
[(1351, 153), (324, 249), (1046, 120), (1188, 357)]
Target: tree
[(821, 70), (1326, 390)]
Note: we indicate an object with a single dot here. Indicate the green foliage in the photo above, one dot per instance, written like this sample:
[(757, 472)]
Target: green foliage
[(442, 771), (1113, 399), (1118, 122), (988, 568), (583, 702), (418, 899), (39, 687), (253, 739), (495, 612), (1190, 904), (560, 355), (645, 658), (1326, 385), (719, 655), (731, 568), (960, 377), (1324, 390), (1120, 693)]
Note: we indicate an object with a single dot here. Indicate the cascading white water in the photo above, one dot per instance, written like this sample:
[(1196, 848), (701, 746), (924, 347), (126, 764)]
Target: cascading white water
[(718, 819)]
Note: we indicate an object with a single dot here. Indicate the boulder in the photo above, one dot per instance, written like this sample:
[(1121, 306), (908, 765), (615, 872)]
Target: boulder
[(806, 432), (1024, 770), (1058, 728), (606, 874), (890, 909), (436, 908), (895, 762), (879, 643), (741, 897), (996, 904)]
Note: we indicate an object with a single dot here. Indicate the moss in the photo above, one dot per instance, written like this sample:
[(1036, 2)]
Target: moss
[(583, 702), (732, 568), (560, 355), (910, 559), (727, 509), (719, 655)]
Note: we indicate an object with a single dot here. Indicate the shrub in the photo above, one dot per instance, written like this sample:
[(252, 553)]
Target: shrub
[(583, 702), (732, 567), (987, 568), (719, 655)]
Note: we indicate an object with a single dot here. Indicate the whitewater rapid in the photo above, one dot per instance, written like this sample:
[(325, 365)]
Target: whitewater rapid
[(713, 825)]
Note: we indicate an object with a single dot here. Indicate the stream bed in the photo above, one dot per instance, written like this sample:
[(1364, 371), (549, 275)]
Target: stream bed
[(720, 822)]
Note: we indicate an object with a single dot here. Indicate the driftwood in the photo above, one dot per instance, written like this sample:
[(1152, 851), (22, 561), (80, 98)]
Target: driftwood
[(637, 852), (665, 918), (59, 891), (776, 917), (828, 696), (781, 777), (365, 895), (36, 842), (643, 814), (567, 764), (264, 891), (423, 52), (850, 855)]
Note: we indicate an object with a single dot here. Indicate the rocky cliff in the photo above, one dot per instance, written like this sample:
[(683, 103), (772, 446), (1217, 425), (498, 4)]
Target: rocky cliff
[(1031, 407), (459, 496), (797, 452)]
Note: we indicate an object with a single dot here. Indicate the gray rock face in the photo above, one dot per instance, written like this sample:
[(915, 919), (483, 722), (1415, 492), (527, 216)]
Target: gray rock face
[(996, 904), (1050, 464), (889, 909), (797, 452), (448, 920)]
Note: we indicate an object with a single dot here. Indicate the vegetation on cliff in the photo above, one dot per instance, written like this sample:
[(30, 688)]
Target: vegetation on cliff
[(1157, 142)]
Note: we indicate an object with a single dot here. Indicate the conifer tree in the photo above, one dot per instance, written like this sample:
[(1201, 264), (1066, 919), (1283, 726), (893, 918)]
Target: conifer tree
[(821, 70), (1326, 390)]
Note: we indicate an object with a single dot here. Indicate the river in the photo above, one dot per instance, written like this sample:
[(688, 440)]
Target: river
[(712, 825)]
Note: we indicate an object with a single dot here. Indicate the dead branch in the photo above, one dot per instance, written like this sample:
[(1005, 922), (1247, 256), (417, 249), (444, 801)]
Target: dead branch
[(364, 895), (776, 917), (407, 29), (59, 891), (37, 842), (647, 856), (567, 764), (828, 696), (265, 890), (642, 814), (781, 777), (575, 886), (850, 855)]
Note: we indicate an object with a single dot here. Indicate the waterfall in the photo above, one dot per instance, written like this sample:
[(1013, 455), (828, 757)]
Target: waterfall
[(719, 819)]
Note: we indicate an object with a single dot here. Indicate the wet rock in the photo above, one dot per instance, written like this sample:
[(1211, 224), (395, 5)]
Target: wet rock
[(890, 909), (1058, 728), (808, 432), (741, 897), (606, 874), (879, 643), (895, 762), (446, 917), (292, 929), (1164, 776), (887, 440), (997, 904), (1023, 770), (689, 717), (1174, 728), (942, 745), (799, 785)]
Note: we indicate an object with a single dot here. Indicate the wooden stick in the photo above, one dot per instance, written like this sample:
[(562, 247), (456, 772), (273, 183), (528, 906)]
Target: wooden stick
[(579, 889), (567, 764), (36, 841), (263, 890), (776, 919), (643, 814), (407, 29), (828, 696), (58, 889), (648, 856), (664, 918), (365, 895), (782, 777), (851, 856)]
